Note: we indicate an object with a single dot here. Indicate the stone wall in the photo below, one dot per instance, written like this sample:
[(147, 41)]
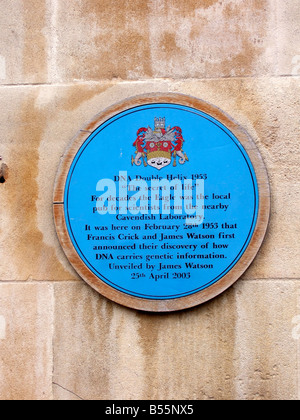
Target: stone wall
[(61, 63)]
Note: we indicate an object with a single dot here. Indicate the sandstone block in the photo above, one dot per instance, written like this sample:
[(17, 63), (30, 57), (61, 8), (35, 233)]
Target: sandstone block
[(25, 42), (146, 39), (238, 346), (26, 341)]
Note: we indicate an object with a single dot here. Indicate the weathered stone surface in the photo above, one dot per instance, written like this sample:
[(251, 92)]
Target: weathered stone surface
[(26, 316), (27, 253), (158, 38), (268, 351), (288, 51), (114, 363), (239, 346), (25, 41), (49, 41)]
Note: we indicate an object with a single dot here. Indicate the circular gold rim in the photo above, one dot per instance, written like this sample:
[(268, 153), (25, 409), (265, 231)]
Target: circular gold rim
[(166, 305)]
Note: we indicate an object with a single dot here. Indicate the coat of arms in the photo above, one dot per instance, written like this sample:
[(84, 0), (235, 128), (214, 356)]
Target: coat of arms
[(156, 147)]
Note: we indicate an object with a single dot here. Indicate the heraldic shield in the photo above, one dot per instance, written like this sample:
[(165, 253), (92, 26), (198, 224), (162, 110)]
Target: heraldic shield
[(156, 147)]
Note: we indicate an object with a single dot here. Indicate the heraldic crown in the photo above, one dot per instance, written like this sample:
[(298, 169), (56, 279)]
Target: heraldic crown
[(156, 147)]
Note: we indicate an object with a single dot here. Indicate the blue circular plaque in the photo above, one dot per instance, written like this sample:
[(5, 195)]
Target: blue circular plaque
[(161, 201)]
